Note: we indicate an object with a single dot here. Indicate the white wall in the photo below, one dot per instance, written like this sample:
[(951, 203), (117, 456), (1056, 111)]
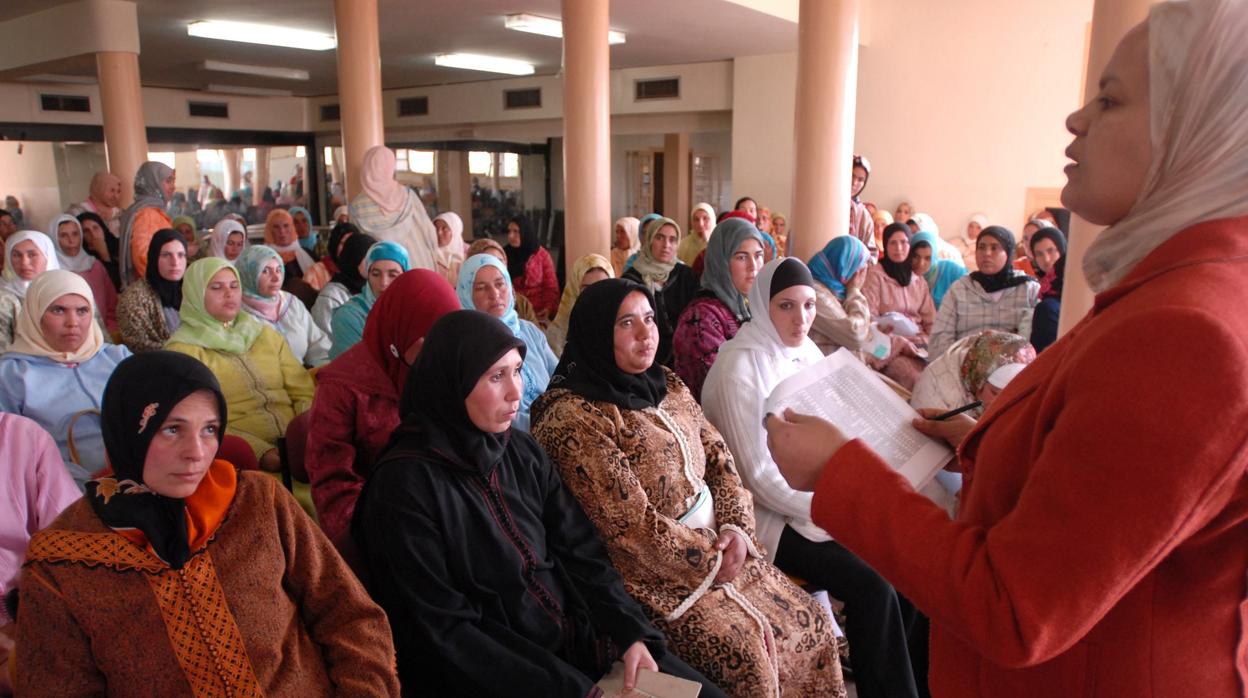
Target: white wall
[(30, 176), (764, 89)]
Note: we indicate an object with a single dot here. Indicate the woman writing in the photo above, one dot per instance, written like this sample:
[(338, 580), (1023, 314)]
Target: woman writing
[(217, 583), (1069, 568)]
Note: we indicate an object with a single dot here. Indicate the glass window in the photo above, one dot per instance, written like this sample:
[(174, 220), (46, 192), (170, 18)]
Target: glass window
[(481, 162), (510, 164), (329, 156), (400, 160), (300, 151), (205, 156), (420, 161), (166, 157)]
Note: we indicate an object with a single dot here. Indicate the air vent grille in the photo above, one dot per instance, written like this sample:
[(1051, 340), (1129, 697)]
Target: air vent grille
[(413, 106), (662, 88), (75, 103), (522, 99), (330, 112), (213, 110)]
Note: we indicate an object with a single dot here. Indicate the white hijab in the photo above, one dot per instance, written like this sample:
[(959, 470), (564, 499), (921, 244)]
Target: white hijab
[(1198, 119), (10, 281), (221, 234), (79, 263)]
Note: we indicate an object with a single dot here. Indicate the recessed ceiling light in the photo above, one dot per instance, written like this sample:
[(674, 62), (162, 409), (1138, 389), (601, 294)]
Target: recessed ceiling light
[(261, 70), (488, 64), (245, 90), (266, 34), (546, 26)]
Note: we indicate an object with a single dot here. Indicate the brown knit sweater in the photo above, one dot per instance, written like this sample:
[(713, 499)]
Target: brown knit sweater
[(266, 608)]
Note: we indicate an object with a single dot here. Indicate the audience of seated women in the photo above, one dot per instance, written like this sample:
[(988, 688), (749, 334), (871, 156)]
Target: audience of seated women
[(27, 254), (733, 258), (264, 384), (383, 263), (664, 494), (532, 270), (72, 255), (356, 405), (587, 271), (673, 283), (55, 370), (179, 575), (493, 578), (484, 286), (902, 307), (997, 297), (843, 317), (148, 309), (260, 269), (885, 632), (347, 260)]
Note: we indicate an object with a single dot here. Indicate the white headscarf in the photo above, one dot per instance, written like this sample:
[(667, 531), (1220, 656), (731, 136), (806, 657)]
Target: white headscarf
[(1198, 120), (10, 281), (221, 234), (341, 211), (28, 335), (453, 251), (79, 263)]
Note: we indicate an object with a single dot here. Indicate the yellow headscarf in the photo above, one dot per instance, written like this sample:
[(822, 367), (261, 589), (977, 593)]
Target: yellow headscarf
[(44, 290), (557, 333)]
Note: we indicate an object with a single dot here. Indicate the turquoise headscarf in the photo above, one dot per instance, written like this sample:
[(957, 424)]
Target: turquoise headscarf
[(249, 265), (716, 274), (941, 276), (468, 277), (837, 262), (347, 323), (308, 243)]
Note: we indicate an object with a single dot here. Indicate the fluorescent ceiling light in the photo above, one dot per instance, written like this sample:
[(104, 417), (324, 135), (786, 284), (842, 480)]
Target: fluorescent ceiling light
[(245, 90), (488, 64), (546, 26), (261, 70), (266, 34)]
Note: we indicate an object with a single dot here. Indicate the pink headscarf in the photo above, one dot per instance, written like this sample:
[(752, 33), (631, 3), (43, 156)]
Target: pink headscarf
[(377, 179)]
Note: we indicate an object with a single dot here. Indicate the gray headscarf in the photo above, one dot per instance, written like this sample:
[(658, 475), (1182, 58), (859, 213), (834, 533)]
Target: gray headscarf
[(149, 192), (716, 275)]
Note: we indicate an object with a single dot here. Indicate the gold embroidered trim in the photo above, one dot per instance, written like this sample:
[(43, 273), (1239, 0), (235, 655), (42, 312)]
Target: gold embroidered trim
[(91, 549)]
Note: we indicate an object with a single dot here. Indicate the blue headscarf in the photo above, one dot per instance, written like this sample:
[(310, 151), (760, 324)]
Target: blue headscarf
[(941, 276), (468, 277), (716, 273), (837, 262), (308, 243), (347, 322)]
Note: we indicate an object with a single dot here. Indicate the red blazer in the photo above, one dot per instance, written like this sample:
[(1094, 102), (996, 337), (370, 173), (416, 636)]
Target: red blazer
[(1102, 544)]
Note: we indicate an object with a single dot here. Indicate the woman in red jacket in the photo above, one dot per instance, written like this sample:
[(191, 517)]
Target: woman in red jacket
[(532, 270), (356, 405), (1102, 544)]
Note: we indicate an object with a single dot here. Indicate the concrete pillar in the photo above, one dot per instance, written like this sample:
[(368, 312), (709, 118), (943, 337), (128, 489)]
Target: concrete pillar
[(359, 83), (586, 130), (827, 84), (676, 179), (260, 179), (232, 158), (121, 102), (455, 187), (1111, 20)]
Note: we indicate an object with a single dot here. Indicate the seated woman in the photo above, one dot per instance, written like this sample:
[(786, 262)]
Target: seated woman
[(1048, 246), (216, 583), (780, 232), (484, 286), (532, 270), (279, 233), (383, 263), (57, 366), (771, 347), (27, 254), (147, 311), (263, 383), (227, 240), (260, 269), (661, 488), (903, 308), (842, 317), (997, 297), (587, 271), (356, 405), (101, 243), (624, 243), (347, 259), (190, 233), (450, 253), (304, 231), (976, 367), (701, 223), (939, 274), (673, 283), (489, 246), (733, 257), (72, 255), (493, 578), (1049, 309)]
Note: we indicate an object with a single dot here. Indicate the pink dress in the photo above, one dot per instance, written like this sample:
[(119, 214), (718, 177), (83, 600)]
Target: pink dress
[(908, 356), (105, 294)]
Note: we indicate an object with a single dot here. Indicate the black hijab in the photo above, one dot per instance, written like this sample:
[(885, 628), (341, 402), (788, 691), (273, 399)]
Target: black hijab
[(170, 292), (139, 396), (353, 252), (899, 271), (1048, 233), (335, 239), (588, 365), (517, 257), (460, 347), (1006, 278)]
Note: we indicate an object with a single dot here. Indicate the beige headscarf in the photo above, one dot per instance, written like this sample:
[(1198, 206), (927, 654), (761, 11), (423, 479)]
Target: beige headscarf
[(47, 287), (377, 179), (557, 333), (653, 272), (1198, 118)]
